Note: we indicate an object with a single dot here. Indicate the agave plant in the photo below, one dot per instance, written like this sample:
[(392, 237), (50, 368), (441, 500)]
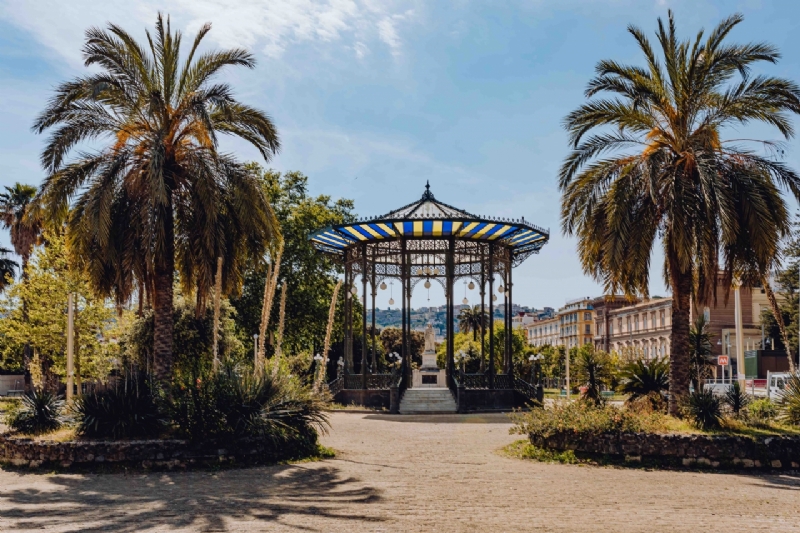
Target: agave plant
[(736, 398), (40, 411), (704, 409), (127, 409)]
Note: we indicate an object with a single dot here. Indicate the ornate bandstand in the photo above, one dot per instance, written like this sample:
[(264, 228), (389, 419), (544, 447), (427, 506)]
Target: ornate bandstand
[(430, 241)]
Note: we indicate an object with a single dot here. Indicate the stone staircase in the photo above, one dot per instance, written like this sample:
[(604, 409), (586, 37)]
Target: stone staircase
[(425, 401)]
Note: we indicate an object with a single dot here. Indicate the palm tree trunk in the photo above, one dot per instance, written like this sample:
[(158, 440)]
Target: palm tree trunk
[(679, 343), (162, 303), (776, 312)]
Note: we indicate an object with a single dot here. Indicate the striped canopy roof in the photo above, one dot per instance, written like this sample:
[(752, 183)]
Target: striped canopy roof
[(429, 218)]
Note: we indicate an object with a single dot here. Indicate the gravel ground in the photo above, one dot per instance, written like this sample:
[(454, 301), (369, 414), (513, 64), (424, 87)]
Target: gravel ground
[(404, 473)]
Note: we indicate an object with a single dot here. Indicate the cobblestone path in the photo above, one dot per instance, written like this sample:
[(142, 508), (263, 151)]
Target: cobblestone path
[(404, 474)]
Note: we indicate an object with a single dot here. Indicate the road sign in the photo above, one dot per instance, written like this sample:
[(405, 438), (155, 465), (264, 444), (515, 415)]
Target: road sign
[(722, 360)]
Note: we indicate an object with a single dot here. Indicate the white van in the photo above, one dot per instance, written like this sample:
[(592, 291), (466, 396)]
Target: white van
[(776, 383)]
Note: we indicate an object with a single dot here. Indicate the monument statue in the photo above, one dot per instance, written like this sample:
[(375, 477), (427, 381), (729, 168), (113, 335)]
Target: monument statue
[(430, 339)]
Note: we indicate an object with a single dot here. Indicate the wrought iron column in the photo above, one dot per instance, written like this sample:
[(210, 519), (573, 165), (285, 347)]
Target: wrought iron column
[(374, 294), (364, 325), (450, 273), (404, 340), (483, 312), (348, 322), (509, 285), (491, 315)]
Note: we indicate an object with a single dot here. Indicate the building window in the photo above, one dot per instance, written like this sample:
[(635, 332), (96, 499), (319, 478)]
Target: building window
[(644, 320), (662, 319), (707, 314), (611, 327), (587, 316)]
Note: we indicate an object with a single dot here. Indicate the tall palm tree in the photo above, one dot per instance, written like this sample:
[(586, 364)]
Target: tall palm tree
[(160, 196), (15, 213), (8, 268), (658, 167)]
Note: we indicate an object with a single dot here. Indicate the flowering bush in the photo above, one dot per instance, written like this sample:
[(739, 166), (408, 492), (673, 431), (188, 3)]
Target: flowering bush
[(582, 418)]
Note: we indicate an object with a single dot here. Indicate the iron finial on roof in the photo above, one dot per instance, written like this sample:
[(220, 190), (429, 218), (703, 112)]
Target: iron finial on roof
[(427, 195)]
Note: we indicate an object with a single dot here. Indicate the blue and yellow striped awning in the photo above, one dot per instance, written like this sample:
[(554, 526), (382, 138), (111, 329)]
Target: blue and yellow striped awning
[(335, 239), (428, 218)]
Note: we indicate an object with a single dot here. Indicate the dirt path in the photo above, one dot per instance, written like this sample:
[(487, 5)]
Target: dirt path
[(404, 474)]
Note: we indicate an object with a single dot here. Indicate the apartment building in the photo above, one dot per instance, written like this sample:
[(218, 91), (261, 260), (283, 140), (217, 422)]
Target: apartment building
[(576, 323), (643, 328), (544, 332)]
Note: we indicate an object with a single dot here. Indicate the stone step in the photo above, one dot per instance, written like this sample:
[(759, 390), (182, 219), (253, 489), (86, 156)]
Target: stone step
[(433, 400)]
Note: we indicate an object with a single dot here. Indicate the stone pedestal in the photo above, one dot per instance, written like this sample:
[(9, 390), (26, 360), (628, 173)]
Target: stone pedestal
[(429, 374)]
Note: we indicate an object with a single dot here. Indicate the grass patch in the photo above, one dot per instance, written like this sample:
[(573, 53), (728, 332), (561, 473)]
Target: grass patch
[(523, 449), (334, 406)]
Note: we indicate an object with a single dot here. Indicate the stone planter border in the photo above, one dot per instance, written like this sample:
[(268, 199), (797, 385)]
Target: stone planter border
[(156, 453), (712, 451)]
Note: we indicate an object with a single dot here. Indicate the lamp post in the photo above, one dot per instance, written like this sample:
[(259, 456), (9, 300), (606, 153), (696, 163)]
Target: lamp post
[(535, 373)]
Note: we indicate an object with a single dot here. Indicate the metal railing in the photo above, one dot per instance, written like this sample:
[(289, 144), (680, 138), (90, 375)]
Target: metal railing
[(336, 386)]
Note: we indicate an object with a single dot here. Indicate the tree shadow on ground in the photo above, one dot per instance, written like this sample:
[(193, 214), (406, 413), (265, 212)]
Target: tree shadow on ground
[(788, 481), (472, 418), (195, 501)]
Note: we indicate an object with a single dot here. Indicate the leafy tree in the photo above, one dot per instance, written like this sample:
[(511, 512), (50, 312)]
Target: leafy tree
[(7, 268), (392, 341), (310, 276), (655, 165), (43, 323), (700, 352), (192, 337), (159, 195)]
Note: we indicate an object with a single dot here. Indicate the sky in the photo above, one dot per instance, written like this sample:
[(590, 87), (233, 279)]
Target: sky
[(372, 98)]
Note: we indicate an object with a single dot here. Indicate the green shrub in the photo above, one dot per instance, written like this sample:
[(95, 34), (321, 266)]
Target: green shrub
[(761, 411), (125, 410), (789, 402), (38, 412), (231, 403), (583, 418), (736, 398), (704, 409)]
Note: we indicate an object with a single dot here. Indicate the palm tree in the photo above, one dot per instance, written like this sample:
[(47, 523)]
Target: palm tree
[(699, 352), (8, 268), (160, 196), (659, 168), (642, 377), (15, 213), (472, 319)]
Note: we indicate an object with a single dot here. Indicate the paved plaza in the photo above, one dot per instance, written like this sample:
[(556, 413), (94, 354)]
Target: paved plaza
[(403, 473)]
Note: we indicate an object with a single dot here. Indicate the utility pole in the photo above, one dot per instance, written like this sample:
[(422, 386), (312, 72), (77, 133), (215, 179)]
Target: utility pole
[(70, 346)]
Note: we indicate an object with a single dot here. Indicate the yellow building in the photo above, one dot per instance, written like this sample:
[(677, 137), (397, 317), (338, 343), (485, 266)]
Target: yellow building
[(576, 323), (544, 332)]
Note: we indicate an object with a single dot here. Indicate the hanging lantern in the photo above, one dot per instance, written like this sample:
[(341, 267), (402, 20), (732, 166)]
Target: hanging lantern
[(383, 285), (501, 289), (465, 301), (354, 290), (494, 297), (427, 284), (471, 285), (391, 301)]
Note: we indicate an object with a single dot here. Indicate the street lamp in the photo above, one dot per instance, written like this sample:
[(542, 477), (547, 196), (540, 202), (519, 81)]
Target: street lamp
[(255, 348), (535, 358)]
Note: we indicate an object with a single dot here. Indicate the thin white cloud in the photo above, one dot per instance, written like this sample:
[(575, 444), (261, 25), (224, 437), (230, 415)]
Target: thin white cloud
[(265, 25)]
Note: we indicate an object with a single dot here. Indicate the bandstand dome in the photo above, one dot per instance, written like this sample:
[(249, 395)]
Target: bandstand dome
[(428, 217)]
